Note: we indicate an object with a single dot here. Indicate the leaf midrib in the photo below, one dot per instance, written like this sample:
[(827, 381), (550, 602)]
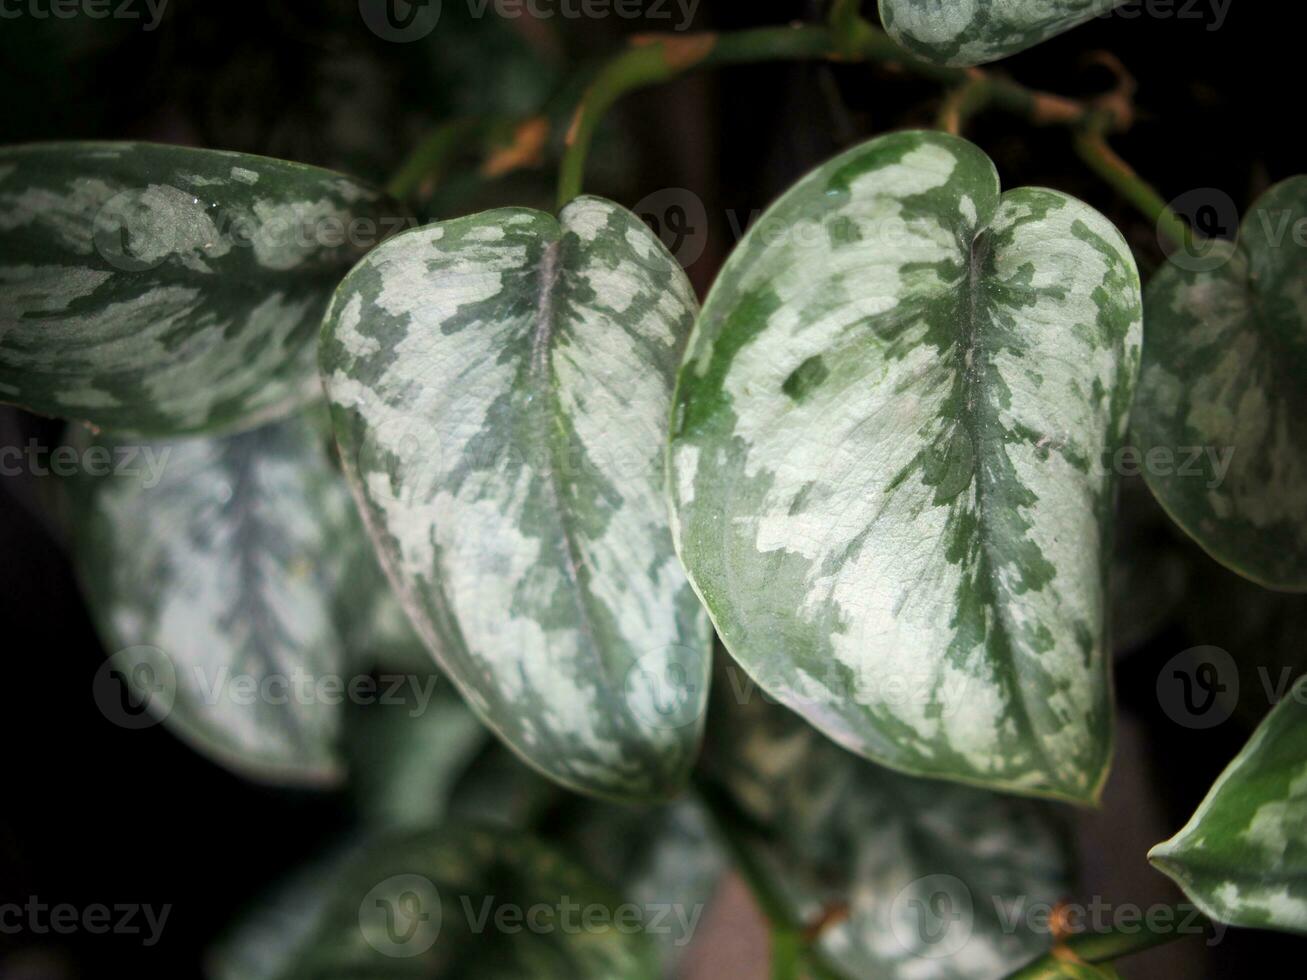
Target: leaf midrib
[(542, 341), (973, 365)]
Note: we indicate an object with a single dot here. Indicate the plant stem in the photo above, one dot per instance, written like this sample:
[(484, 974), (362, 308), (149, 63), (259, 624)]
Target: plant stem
[(793, 953), (431, 156), (844, 18), (961, 104), (1093, 148), (786, 955), (659, 58), (1097, 947)]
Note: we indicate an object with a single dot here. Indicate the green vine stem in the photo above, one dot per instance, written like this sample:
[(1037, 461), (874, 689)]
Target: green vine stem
[(1098, 155), (506, 144), (845, 16), (1096, 948), (432, 156), (653, 59), (961, 103), (794, 952)]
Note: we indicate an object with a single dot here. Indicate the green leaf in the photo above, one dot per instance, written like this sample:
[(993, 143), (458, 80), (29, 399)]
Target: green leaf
[(665, 857), (409, 749), (500, 790), (264, 942), (889, 463), (500, 386), (235, 589), (1223, 391), (973, 32), (1242, 857), (460, 902), (915, 879), (166, 290)]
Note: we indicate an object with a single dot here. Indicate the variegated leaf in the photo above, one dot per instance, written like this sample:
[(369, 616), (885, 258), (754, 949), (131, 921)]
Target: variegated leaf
[(973, 32), (166, 290), (1242, 857), (466, 902), (916, 879), (890, 462), (234, 587), (1223, 392), (500, 386)]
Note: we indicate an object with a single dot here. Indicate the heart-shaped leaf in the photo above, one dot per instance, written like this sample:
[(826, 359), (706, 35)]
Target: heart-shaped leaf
[(1223, 392), (1242, 857), (500, 386), (889, 455), (901, 878), (451, 902), (166, 290), (973, 32), (237, 593)]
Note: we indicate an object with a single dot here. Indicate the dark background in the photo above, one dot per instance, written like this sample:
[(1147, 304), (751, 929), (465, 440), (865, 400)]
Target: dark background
[(93, 813)]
